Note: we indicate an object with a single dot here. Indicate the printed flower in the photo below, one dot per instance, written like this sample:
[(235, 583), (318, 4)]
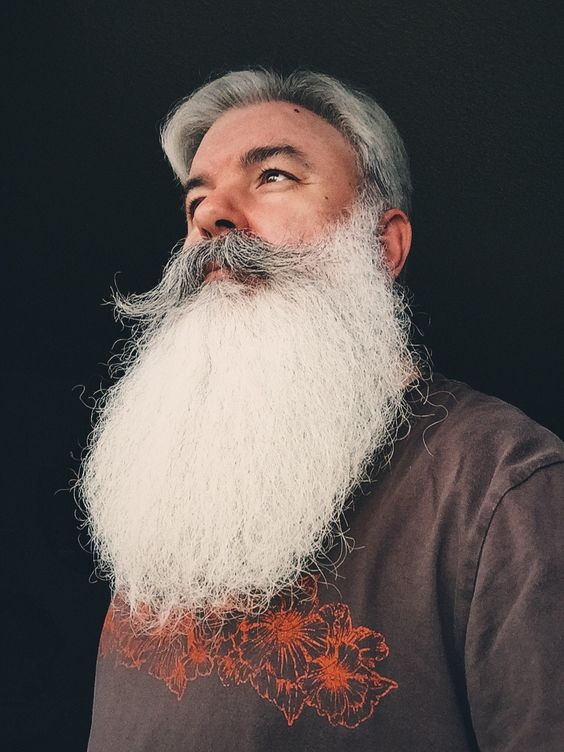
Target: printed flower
[(371, 644), (274, 650), (173, 655), (199, 656), (179, 656), (283, 642), (231, 667), (166, 660), (286, 695), (342, 685)]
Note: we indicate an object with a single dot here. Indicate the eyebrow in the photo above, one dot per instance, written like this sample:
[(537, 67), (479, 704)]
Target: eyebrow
[(252, 157)]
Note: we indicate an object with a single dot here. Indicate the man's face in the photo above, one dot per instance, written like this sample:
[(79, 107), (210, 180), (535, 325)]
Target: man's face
[(275, 169)]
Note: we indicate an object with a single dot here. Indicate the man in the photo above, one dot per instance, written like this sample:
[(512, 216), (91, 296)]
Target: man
[(314, 543)]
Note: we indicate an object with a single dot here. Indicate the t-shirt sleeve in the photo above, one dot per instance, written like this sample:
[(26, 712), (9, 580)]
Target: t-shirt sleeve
[(514, 652)]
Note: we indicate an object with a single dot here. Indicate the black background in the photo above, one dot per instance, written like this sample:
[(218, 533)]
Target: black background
[(473, 88)]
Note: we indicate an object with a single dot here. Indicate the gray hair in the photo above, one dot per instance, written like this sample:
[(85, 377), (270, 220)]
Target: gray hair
[(381, 155)]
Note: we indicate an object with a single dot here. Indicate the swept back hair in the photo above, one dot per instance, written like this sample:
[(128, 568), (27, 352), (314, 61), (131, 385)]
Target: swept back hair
[(382, 159)]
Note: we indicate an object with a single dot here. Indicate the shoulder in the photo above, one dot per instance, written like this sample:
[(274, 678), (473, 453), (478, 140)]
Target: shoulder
[(481, 438)]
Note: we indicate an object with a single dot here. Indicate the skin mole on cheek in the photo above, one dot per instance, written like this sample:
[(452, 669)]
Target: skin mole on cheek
[(296, 109)]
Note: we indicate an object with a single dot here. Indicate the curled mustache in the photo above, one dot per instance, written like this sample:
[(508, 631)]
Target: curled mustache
[(249, 259)]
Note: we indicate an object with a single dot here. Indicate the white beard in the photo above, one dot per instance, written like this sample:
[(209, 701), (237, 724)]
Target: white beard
[(223, 458)]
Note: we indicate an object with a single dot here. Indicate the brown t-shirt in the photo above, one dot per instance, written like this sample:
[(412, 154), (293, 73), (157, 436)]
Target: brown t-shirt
[(443, 629)]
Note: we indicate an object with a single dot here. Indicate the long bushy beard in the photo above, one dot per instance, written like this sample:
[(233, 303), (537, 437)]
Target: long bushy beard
[(248, 411)]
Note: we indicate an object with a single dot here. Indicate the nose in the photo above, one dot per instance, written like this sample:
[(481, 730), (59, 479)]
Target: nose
[(217, 214)]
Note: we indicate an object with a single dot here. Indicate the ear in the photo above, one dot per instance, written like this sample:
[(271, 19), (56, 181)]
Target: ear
[(395, 231)]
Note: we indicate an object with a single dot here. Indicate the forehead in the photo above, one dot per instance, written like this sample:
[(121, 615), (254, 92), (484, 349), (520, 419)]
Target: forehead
[(243, 128)]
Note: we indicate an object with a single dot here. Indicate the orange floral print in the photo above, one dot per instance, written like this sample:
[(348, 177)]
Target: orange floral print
[(277, 648), (343, 685), (298, 654), (174, 656)]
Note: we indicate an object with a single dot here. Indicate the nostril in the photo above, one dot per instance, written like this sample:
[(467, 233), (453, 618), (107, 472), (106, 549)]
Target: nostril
[(227, 223)]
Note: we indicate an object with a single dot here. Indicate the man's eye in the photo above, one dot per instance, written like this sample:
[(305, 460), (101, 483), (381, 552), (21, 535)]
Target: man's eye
[(192, 206), (275, 176)]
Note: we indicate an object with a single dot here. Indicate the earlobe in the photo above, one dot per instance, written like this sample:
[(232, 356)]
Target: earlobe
[(395, 232)]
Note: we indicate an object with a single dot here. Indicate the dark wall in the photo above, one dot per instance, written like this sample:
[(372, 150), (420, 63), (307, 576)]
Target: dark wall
[(474, 90)]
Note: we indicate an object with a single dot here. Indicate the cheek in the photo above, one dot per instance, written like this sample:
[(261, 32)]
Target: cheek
[(279, 226), (294, 224)]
